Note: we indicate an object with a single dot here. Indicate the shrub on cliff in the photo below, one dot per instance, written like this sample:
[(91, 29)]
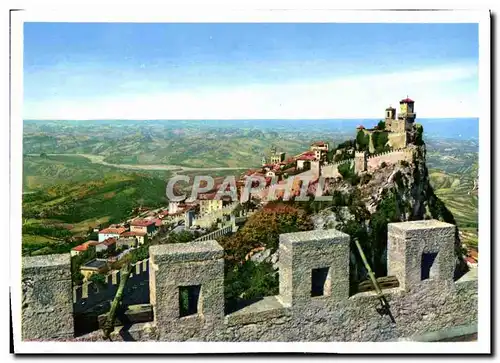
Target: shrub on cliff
[(380, 139), (419, 140), (264, 227), (249, 281), (348, 173), (98, 279), (362, 141)]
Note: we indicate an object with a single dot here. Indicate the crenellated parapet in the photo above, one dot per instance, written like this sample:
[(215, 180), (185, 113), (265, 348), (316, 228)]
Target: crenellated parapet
[(364, 162), (389, 157), (314, 304), (332, 170), (90, 294)]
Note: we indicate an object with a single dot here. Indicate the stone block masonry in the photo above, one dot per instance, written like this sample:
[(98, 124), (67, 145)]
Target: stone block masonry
[(319, 263), (370, 163), (47, 311), (198, 269), (313, 303), (421, 250)]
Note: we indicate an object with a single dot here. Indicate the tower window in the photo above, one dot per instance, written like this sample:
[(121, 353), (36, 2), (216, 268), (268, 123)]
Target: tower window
[(427, 263), (320, 282), (189, 299)]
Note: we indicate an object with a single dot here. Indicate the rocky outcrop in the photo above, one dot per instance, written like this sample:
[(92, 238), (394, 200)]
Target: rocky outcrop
[(393, 193)]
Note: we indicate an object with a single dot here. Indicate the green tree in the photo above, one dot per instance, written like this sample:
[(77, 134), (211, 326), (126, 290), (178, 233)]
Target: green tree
[(248, 281), (178, 237), (98, 279), (362, 140), (140, 253), (419, 138), (380, 139), (263, 228)]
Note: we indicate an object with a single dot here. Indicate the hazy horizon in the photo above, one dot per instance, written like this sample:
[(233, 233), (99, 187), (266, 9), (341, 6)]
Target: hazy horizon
[(248, 70), (461, 128)]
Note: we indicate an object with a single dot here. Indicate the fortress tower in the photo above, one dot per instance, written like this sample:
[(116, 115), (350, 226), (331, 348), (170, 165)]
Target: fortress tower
[(390, 115), (406, 116), (400, 128)]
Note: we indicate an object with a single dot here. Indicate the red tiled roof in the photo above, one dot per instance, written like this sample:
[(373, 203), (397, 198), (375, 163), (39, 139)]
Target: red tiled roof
[(142, 223), (360, 127), (319, 143), (108, 242), (133, 234), (158, 222), (113, 230), (407, 100), (470, 260), (206, 196), (307, 157), (81, 248)]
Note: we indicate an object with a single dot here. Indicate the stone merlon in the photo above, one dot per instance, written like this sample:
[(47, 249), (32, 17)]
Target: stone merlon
[(184, 252)]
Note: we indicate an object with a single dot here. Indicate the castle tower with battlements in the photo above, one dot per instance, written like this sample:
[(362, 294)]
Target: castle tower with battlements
[(400, 127), (390, 116), (406, 116)]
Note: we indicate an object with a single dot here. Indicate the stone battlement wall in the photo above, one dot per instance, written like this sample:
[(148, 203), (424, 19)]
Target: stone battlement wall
[(332, 170), (389, 157), (216, 234), (373, 161), (90, 294), (313, 303)]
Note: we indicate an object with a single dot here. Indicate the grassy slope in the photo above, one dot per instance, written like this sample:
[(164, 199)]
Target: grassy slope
[(70, 193), (455, 190)]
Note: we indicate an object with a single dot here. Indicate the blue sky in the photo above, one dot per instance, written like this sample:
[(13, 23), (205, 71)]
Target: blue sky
[(140, 71)]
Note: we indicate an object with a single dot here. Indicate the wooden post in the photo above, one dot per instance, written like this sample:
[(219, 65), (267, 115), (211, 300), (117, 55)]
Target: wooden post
[(385, 305), (110, 323)]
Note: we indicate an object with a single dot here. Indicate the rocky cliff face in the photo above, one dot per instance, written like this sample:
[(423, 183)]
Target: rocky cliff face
[(393, 193)]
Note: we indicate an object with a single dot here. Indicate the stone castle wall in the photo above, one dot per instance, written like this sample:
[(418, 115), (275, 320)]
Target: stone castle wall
[(332, 170), (397, 140), (89, 294), (373, 162), (390, 157), (427, 299)]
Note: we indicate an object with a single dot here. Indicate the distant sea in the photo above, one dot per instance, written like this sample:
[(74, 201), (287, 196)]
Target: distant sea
[(453, 128)]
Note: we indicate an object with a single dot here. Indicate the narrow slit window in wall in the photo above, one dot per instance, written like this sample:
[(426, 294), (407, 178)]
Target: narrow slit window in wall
[(188, 300), (320, 282), (427, 262)]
